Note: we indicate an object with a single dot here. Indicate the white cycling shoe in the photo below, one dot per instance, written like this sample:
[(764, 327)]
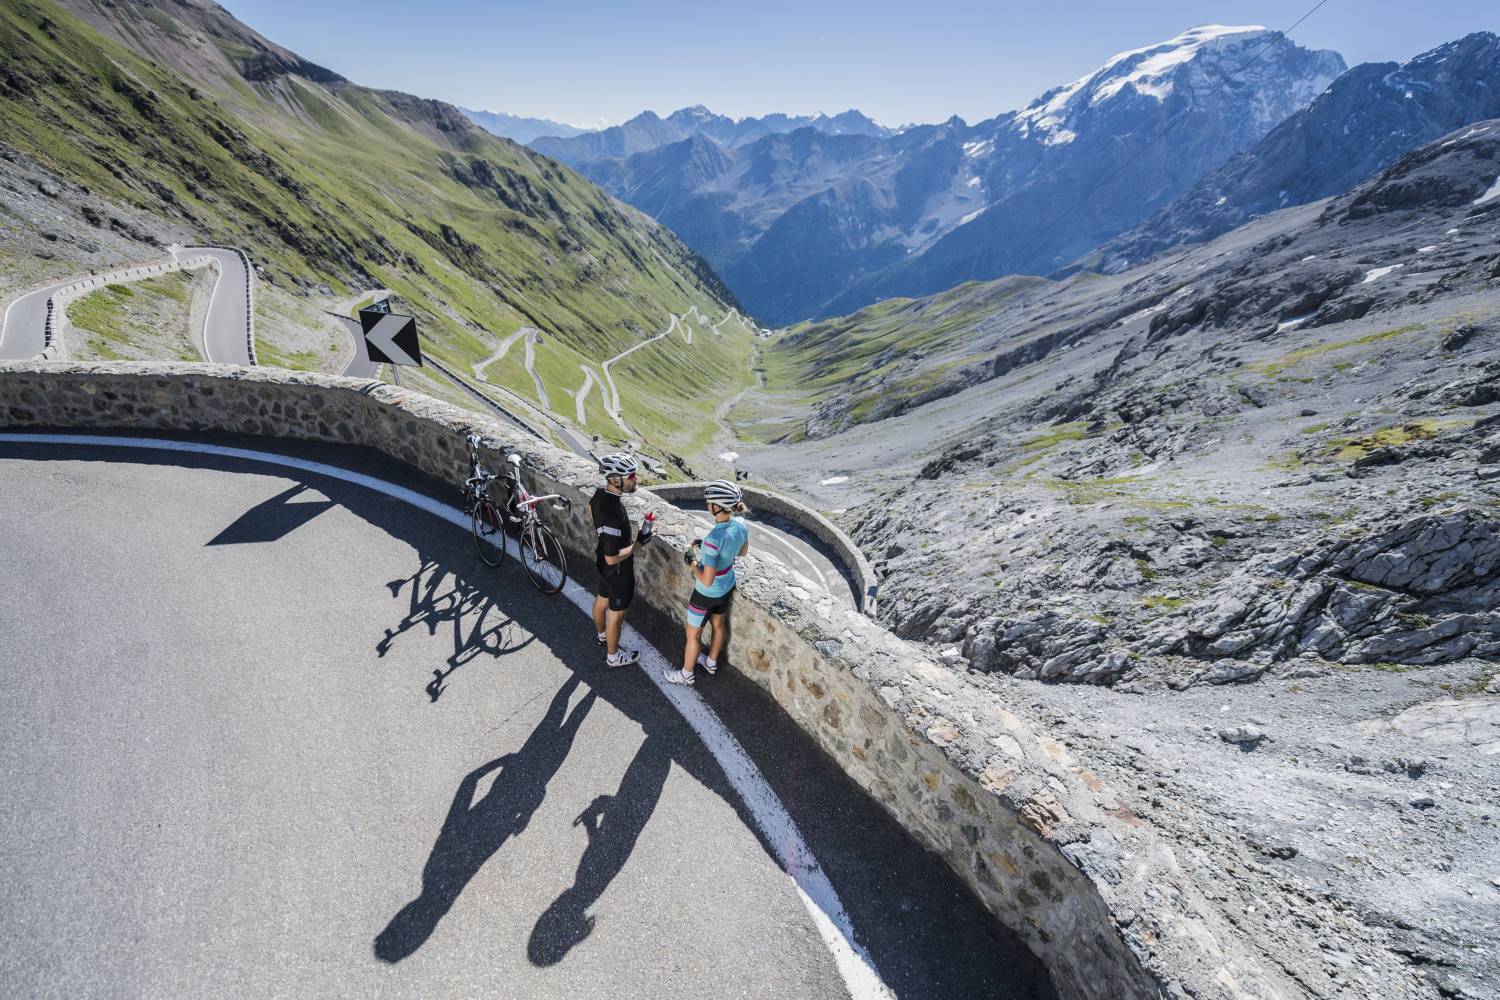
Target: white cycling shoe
[(622, 657), (674, 676)]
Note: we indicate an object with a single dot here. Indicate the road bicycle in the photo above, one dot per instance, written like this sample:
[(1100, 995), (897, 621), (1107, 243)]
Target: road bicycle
[(541, 554), (483, 513)]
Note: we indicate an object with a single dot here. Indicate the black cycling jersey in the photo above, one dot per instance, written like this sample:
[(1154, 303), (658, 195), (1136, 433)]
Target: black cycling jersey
[(611, 524)]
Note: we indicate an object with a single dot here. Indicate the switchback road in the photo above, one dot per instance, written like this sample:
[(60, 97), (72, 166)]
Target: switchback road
[(268, 732), (227, 328)]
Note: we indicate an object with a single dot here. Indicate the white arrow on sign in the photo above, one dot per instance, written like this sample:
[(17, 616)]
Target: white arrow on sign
[(382, 336)]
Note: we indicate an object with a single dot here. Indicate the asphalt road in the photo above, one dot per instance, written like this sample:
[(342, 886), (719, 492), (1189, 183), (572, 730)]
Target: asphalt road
[(360, 365), (229, 309), (23, 328), (267, 733)]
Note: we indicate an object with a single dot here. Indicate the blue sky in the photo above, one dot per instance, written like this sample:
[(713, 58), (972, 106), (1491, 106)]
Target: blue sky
[(593, 61)]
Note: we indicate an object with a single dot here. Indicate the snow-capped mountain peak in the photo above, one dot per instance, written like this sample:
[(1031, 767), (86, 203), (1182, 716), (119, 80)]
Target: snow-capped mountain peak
[(1151, 71)]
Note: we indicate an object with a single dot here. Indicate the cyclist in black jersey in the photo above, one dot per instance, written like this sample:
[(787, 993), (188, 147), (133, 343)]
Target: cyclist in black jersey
[(614, 555)]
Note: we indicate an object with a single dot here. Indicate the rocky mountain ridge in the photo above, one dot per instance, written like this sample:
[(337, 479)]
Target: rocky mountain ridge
[(1367, 119), (1092, 396), (648, 131), (804, 224)]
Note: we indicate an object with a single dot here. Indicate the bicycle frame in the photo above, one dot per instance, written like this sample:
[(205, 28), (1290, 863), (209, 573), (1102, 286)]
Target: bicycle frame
[(526, 504)]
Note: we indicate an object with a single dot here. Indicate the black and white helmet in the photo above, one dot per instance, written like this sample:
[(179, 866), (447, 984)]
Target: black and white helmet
[(619, 464), (722, 492)]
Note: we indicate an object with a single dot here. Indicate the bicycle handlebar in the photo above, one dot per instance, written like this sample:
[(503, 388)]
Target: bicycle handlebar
[(565, 504)]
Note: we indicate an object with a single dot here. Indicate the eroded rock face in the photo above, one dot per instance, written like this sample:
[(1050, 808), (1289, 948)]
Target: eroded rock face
[(1422, 590), (1283, 444)]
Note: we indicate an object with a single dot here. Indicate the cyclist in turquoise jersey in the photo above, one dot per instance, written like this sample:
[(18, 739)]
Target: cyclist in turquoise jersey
[(712, 561)]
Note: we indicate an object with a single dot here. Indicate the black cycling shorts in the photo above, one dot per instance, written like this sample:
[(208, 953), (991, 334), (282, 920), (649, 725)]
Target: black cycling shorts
[(617, 583), (701, 606)]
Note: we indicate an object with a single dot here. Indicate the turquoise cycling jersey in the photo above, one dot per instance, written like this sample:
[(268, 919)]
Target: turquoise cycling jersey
[(719, 550)]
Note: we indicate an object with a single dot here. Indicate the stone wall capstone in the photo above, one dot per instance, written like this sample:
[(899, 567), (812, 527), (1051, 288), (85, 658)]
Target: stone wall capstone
[(1046, 845)]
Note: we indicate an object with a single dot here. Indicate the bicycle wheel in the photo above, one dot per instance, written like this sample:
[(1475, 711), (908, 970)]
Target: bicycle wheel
[(489, 536), (543, 559)]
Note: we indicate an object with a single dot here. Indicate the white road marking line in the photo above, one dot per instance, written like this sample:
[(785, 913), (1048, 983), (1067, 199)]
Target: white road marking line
[(770, 816)]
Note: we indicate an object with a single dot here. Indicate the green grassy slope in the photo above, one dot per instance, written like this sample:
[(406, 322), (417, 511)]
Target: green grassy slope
[(173, 107), (673, 390), (885, 354), (139, 321)]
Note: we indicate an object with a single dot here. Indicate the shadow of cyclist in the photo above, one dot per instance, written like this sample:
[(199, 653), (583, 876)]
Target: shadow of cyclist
[(613, 824), (474, 830)]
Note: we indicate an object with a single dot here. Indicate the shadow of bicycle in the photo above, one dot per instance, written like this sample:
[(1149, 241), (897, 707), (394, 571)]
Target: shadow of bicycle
[(440, 599)]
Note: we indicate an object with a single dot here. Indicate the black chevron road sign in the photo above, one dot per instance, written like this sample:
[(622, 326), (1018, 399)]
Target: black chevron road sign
[(390, 338)]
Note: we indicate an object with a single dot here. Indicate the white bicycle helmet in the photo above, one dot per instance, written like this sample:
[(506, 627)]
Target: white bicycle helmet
[(722, 492), (618, 464)]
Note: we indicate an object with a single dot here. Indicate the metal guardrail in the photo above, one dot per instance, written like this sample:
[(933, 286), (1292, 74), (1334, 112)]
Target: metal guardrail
[(487, 401)]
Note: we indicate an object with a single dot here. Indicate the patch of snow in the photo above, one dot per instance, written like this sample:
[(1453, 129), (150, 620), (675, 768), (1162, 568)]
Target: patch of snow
[(973, 182), (979, 148), (1145, 71), (1427, 249), (1480, 130), (965, 220), (833, 480), (1222, 199), (1146, 75), (1061, 137), (1311, 256), (1490, 195), (1295, 321), (1379, 272), (730, 456), (1451, 232)]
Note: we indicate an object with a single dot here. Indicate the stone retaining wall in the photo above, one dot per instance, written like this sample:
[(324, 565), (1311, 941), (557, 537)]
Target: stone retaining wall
[(1047, 846), (819, 526)]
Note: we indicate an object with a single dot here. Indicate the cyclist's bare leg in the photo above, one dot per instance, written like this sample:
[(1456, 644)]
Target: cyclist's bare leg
[(716, 645), (614, 622), (601, 605), (690, 653)]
